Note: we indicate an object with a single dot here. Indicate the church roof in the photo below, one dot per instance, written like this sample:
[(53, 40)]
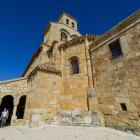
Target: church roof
[(64, 13), (32, 59), (115, 31), (46, 67)]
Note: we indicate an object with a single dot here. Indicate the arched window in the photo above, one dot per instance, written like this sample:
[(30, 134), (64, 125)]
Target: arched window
[(64, 36), (74, 37), (73, 25), (67, 21), (74, 66)]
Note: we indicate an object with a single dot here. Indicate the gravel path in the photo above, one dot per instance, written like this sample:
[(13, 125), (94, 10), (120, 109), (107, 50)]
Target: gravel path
[(63, 133)]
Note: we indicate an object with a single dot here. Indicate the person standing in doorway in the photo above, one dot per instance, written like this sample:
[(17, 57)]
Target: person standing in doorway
[(4, 117)]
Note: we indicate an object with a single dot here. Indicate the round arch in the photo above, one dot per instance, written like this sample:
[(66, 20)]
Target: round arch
[(21, 107), (74, 36), (8, 103), (4, 95), (73, 58), (64, 37), (65, 31)]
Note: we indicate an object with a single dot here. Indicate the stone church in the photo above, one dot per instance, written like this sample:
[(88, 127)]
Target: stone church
[(75, 79)]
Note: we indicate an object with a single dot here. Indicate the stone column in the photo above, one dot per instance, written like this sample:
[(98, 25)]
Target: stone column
[(14, 117), (57, 57), (54, 50), (92, 97), (0, 101), (62, 105), (62, 60)]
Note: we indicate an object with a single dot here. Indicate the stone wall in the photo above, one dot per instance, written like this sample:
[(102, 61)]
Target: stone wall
[(54, 33), (15, 88), (44, 99), (92, 96), (75, 86), (118, 80)]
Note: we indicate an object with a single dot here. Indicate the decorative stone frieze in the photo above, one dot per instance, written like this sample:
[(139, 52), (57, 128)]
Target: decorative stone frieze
[(79, 40)]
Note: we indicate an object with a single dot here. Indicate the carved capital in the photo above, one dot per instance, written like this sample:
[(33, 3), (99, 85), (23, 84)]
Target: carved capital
[(16, 102)]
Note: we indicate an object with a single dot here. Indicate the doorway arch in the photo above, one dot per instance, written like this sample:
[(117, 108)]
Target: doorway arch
[(8, 103), (21, 107)]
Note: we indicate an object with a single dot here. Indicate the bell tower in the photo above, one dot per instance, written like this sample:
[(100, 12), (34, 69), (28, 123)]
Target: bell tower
[(63, 30), (68, 20)]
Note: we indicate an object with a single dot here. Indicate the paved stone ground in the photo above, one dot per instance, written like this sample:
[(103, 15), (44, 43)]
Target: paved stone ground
[(63, 133)]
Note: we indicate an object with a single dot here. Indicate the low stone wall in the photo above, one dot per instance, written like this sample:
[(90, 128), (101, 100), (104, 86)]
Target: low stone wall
[(67, 117), (82, 118)]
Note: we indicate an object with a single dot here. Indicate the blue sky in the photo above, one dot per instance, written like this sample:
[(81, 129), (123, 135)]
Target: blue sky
[(22, 23)]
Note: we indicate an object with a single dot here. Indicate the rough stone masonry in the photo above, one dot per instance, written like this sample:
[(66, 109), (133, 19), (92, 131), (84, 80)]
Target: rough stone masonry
[(75, 79)]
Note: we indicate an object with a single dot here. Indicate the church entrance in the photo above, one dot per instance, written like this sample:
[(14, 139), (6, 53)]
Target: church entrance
[(21, 107), (7, 102)]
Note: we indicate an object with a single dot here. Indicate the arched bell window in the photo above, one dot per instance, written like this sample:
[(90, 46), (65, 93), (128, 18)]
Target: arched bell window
[(67, 21), (73, 25), (74, 65), (64, 36)]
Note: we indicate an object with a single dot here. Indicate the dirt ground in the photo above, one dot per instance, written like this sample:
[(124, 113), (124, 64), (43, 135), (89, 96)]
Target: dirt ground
[(63, 133)]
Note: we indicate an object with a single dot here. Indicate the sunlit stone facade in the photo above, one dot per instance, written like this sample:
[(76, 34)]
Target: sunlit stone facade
[(80, 80)]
